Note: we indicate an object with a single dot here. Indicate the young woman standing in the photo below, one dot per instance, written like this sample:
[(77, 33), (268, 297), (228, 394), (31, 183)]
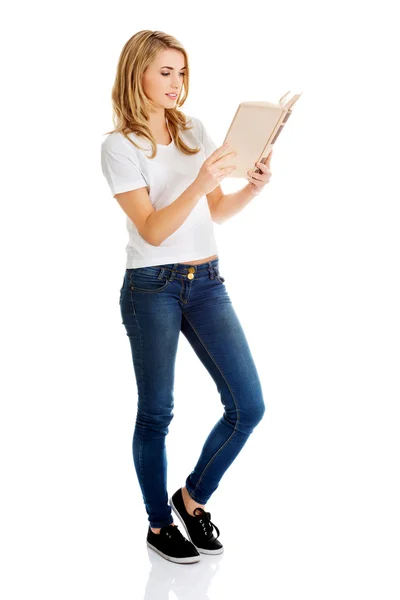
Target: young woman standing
[(164, 170)]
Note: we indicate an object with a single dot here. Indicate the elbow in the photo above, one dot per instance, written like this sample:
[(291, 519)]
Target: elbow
[(150, 239), (149, 236), (217, 220)]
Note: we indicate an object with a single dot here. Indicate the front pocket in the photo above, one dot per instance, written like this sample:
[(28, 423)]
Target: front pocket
[(143, 280)]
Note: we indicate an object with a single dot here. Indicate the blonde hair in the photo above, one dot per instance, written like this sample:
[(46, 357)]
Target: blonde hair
[(131, 107)]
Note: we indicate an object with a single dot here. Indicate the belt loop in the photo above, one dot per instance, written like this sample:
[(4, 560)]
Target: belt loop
[(210, 270), (161, 273), (172, 275)]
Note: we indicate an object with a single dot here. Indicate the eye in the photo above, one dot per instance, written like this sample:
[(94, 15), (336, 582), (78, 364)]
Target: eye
[(168, 73)]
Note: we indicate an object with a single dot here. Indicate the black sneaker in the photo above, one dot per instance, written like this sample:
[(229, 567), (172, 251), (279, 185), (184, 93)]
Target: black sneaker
[(199, 527), (172, 545)]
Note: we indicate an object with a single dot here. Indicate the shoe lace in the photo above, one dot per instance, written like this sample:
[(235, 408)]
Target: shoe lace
[(173, 533), (204, 518)]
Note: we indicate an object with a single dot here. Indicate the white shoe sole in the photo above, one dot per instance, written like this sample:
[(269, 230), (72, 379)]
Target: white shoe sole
[(183, 560)]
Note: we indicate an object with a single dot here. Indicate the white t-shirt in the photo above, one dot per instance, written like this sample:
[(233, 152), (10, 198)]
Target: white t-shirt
[(166, 177)]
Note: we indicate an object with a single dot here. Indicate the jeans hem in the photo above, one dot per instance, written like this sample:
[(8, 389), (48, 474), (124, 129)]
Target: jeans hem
[(159, 524), (195, 498)]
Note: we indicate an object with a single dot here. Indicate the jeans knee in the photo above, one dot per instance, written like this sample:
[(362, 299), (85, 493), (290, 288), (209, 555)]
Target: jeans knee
[(259, 414), (158, 421), (249, 418)]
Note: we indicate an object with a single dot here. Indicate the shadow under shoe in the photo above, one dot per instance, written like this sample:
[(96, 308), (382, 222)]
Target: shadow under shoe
[(172, 545), (199, 527)]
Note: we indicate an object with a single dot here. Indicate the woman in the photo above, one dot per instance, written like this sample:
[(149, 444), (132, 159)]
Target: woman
[(164, 170)]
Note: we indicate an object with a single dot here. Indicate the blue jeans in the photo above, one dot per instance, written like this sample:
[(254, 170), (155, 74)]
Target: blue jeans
[(157, 303)]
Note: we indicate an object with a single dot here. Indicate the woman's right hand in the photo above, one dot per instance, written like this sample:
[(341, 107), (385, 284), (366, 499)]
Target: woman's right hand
[(214, 169)]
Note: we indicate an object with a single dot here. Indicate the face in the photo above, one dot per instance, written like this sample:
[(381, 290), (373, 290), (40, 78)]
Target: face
[(159, 79)]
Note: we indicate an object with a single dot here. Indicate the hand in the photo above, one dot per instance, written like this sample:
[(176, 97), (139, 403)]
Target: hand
[(257, 181), (215, 168)]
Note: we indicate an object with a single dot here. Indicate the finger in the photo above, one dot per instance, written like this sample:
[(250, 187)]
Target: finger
[(257, 176), (264, 178), (222, 160), (233, 153), (217, 153), (264, 168), (223, 170), (266, 162)]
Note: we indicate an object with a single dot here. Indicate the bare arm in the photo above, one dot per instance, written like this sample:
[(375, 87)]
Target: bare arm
[(228, 205), (162, 223), (157, 225)]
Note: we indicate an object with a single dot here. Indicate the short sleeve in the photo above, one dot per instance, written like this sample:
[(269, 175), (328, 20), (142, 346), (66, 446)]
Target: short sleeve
[(206, 140), (120, 167)]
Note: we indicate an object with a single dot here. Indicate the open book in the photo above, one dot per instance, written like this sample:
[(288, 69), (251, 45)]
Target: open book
[(254, 130)]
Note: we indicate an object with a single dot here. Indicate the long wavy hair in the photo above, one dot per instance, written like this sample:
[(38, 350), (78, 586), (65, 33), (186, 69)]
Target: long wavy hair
[(131, 107)]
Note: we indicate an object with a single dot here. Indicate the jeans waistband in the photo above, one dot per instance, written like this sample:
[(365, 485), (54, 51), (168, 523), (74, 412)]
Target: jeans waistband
[(209, 268)]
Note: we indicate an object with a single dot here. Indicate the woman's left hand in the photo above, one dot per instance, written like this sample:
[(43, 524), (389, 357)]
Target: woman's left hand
[(257, 181)]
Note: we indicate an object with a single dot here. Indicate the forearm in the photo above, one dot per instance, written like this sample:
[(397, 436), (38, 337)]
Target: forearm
[(164, 222), (231, 204)]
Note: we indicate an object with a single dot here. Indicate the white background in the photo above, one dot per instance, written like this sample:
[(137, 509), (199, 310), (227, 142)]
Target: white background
[(310, 506)]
